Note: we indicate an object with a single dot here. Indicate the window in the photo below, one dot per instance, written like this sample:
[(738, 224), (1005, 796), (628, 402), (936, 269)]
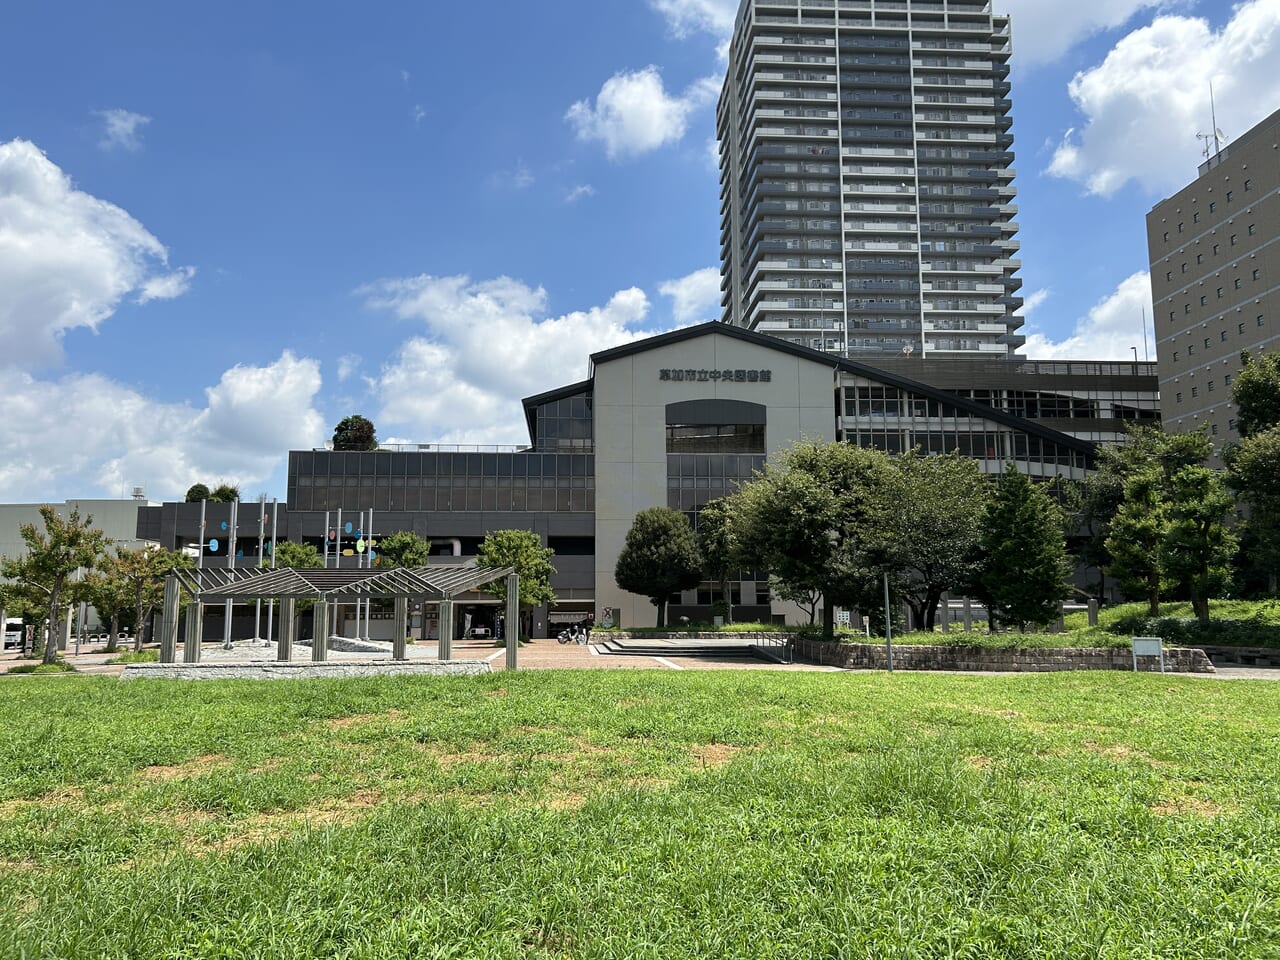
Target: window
[(1195, 392), (1234, 238), (1213, 205), (1172, 314), (1169, 275), (1226, 381), (1219, 293), (1206, 343), (1231, 424), (1204, 301), (1214, 428), (1186, 308), (1248, 185), (1195, 218), (1255, 274), (1184, 268), (1211, 386), (1228, 196), (1215, 249), (1199, 258), (1253, 229), (1239, 328), (1180, 226), (1239, 283), (1191, 348), (1175, 356), (1179, 397), (1223, 336)]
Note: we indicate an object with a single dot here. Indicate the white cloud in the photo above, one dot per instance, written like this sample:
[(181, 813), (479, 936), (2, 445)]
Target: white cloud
[(1043, 30), (167, 286), (1144, 104), (686, 17), (67, 259), (1034, 300), (578, 192), (633, 113), (348, 364), (418, 113), (87, 434), (696, 297), (487, 344), (1110, 331), (122, 130)]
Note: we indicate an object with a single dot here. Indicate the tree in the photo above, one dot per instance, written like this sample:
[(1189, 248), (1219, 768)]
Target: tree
[(355, 433), (1254, 463), (53, 555), (1136, 534), (937, 526), (224, 493), (1198, 548), (297, 554), (1023, 577), (659, 558), (403, 548), (523, 551), (108, 593), (143, 572), (1256, 393), (718, 546), (819, 520), (197, 492)]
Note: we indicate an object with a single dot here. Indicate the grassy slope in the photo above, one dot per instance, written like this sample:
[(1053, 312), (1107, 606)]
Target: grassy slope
[(632, 814)]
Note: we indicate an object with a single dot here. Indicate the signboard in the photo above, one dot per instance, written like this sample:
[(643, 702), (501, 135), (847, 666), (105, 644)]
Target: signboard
[(716, 376)]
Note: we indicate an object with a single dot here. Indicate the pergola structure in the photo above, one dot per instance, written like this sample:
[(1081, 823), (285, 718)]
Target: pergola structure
[(441, 585)]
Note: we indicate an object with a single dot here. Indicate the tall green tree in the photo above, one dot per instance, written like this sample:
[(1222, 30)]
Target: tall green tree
[(718, 545), (108, 594), (404, 548), (1254, 464), (1199, 546), (523, 551), (660, 557), (53, 555), (937, 524), (355, 433), (1136, 535), (297, 554), (142, 573), (197, 492), (820, 519), (1023, 577)]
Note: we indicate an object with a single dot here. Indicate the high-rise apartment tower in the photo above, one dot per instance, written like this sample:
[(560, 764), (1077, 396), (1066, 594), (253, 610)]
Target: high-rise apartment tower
[(1215, 279), (865, 177)]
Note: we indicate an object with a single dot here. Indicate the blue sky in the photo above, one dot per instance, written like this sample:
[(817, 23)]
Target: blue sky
[(223, 228)]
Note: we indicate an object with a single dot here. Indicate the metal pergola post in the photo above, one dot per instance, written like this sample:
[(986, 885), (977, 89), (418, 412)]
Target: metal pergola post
[(169, 621), (401, 629), (513, 619), (288, 627)]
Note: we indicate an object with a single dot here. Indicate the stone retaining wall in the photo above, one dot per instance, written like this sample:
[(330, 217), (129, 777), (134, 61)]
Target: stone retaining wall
[(602, 635), (267, 670), (1243, 656), (861, 656)]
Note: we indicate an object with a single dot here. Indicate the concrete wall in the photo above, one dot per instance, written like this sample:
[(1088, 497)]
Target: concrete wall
[(630, 432)]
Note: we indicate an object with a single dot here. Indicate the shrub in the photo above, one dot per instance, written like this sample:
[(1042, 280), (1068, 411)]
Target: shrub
[(58, 666)]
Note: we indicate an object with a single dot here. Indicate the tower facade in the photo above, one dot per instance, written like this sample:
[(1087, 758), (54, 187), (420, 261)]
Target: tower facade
[(866, 186), (1215, 280)]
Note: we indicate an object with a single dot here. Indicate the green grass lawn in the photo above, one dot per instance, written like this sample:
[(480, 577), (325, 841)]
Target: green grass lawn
[(634, 814)]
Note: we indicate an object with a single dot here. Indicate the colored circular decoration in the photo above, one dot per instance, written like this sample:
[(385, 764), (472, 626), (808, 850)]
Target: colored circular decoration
[(333, 534), (224, 524), (239, 554), (213, 544), (360, 546), (348, 553), (347, 528)]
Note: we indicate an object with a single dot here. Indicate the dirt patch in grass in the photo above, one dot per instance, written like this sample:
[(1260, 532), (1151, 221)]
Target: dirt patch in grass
[(184, 771), (363, 719), (565, 801), (62, 796), (713, 755), (263, 827), (1186, 806), (498, 692), (978, 762)]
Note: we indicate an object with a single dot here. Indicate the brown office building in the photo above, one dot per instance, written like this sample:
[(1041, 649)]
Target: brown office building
[(1215, 279)]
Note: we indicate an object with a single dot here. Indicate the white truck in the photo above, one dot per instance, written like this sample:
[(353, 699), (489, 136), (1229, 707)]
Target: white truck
[(14, 631)]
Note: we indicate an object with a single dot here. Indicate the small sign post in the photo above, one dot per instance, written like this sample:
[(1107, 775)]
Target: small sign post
[(1148, 647)]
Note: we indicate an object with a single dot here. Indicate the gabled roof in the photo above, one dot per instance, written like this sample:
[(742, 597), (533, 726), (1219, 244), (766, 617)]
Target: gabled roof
[(440, 582), (866, 370)]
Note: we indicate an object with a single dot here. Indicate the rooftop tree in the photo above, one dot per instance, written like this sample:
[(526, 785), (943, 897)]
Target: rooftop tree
[(355, 433)]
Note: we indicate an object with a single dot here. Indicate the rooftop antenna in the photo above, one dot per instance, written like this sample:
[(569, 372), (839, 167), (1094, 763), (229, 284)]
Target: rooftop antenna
[(1218, 137)]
